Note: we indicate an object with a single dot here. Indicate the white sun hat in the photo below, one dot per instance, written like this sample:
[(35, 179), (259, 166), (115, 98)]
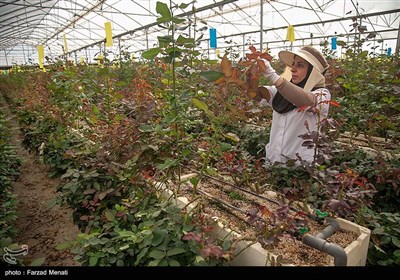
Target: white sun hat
[(312, 56)]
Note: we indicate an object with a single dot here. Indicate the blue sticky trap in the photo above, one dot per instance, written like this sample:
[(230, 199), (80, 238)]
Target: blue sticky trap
[(389, 51), (213, 38), (333, 43)]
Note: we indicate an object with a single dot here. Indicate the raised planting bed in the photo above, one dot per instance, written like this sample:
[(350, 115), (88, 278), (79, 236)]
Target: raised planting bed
[(371, 145), (336, 242)]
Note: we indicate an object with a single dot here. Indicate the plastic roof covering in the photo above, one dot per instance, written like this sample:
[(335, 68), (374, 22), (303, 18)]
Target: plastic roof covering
[(24, 24)]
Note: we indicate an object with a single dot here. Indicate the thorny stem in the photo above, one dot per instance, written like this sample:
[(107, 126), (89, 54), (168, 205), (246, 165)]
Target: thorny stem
[(174, 104)]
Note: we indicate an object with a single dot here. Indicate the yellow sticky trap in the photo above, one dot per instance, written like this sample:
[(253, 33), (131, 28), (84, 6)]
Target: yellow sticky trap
[(217, 52), (82, 60), (107, 26), (65, 44), (40, 50), (290, 34)]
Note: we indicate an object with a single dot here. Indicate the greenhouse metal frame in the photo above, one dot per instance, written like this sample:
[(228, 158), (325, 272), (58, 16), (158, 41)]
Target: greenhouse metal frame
[(75, 29)]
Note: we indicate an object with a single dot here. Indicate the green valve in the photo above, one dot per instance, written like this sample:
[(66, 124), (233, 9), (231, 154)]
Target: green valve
[(322, 214), (303, 230)]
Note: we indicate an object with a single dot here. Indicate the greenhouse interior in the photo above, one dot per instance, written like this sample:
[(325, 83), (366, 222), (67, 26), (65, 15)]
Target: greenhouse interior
[(198, 133)]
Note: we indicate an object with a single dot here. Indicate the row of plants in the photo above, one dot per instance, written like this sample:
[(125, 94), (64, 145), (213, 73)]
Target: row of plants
[(9, 171), (108, 130), (105, 166), (369, 90)]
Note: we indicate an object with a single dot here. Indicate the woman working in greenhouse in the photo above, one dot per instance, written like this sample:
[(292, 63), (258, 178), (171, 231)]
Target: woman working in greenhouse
[(301, 84)]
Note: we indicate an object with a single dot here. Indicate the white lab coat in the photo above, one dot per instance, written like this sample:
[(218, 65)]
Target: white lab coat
[(284, 142)]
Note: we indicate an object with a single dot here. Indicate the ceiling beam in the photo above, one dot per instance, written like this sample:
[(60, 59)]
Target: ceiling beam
[(75, 19), (208, 7)]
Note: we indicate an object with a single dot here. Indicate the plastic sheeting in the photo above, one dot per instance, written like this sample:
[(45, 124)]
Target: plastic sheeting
[(26, 24)]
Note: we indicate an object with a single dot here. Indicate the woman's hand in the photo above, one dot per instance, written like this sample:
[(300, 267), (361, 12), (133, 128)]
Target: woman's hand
[(269, 72)]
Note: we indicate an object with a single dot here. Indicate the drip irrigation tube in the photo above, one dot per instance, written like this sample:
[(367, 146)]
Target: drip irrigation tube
[(216, 200), (311, 216)]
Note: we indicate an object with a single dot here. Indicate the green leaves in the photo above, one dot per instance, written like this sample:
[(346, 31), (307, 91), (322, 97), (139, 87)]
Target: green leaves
[(165, 41), (232, 136), (153, 237), (202, 106), (166, 15), (9, 169), (384, 248), (151, 53), (187, 42), (109, 216), (95, 110), (157, 254), (175, 251), (211, 75), (167, 164), (163, 10), (158, 237)]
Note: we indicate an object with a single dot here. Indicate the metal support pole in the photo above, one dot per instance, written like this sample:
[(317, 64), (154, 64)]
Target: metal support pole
[(398, 44), (23, 51), (147, 39), (244, 54), (261, 24), (5, 56)]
